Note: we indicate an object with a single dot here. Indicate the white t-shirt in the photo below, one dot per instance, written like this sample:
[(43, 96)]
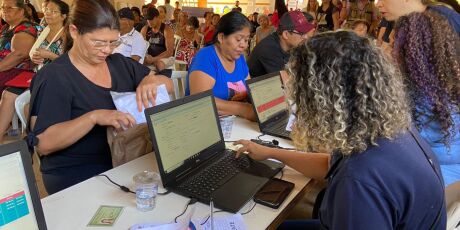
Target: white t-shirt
[(133, 44)]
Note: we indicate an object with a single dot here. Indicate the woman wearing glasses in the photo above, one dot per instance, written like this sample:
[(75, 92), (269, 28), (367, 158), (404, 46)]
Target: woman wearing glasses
[(71, 104), (51, 45), (16, 40)]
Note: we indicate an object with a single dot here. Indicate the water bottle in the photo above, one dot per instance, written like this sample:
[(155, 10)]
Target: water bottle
[(146, 186)]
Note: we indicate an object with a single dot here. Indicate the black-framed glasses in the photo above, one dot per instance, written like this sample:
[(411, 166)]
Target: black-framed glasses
[(298, 33)]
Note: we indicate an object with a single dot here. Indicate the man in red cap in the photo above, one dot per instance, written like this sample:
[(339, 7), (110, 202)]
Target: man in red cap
[(272, 53)]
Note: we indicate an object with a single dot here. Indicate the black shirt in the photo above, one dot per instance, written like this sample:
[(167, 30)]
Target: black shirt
[(267, 57), (61, 93)]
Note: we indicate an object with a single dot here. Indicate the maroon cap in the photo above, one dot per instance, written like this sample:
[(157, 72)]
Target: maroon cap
[(295, 20)]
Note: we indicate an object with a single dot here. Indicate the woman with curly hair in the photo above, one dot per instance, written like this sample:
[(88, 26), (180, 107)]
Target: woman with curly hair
[(354, 120), (428, 51)]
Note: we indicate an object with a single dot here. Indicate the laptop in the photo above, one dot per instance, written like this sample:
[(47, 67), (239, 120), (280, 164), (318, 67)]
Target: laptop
[(20, 206), (267, 97), (192, 158)]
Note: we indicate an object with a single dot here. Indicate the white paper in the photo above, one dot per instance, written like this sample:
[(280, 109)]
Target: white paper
[(228, 222), (126, 102)]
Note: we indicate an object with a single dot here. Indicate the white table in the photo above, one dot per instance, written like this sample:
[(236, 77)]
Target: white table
[(74, 207)]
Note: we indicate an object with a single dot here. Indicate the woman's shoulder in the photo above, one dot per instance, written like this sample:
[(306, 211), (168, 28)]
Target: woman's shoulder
[(28, 27)]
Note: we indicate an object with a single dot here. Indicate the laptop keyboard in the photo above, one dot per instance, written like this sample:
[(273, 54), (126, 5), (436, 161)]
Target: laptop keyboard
[(278, 128), (207, 181)]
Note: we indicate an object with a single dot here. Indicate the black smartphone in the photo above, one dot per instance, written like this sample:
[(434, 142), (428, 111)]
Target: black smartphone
[(274, 192)]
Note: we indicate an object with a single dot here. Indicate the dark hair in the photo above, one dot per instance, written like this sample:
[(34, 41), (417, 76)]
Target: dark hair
[(230, 23), (22, 5), (167, 1), (90, 15), (145, 6), (63, 7), (193, 21), (280, 6), (34, 17), (137, 10)]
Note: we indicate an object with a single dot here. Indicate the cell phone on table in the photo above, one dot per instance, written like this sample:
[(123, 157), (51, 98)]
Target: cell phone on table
[(273, 193)]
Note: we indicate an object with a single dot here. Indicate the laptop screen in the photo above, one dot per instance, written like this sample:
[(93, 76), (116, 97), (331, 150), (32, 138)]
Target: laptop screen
[(185, 130), (268, 97), (16, 208)]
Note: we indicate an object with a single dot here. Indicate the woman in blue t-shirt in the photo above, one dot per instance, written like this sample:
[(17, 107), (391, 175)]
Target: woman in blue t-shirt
[(222, 67), (429, 57)]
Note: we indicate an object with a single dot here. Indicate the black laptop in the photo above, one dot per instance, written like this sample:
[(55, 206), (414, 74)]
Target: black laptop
[(20, 206), (192, 159), (270, 104)]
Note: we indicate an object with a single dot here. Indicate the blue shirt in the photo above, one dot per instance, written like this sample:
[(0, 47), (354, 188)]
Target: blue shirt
[(389, 186), (227, 86), (448, 156), (452, 16)]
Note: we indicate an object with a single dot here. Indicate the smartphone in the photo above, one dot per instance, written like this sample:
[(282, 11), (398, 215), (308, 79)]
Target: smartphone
[(273, 193)]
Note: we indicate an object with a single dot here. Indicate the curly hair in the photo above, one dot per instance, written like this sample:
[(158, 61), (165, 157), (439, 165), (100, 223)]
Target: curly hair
[(427, 50), (347, 93)]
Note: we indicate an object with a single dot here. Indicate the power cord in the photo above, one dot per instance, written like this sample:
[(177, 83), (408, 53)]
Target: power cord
[(126, 189), (190, 202), (122, 187), (244, 213), (282, 174)]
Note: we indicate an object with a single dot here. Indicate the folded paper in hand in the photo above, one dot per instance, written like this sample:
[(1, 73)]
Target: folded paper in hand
[(126, 102)]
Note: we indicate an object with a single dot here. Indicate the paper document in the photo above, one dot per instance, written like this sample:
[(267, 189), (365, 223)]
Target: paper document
[(126, 102), (227, 222)]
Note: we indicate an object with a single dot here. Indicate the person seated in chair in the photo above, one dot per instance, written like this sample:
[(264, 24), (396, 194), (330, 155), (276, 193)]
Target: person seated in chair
[(133, 45), (16, 39), (222, 67), (71, 105), (161, 41), (353, 117)]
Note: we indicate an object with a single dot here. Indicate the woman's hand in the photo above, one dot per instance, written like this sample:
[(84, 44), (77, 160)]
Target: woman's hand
[(255, 151), (37, 58), (117, 119), (147, 91)]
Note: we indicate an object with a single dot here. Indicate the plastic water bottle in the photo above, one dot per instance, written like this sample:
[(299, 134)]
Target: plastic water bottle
[(146, 190)]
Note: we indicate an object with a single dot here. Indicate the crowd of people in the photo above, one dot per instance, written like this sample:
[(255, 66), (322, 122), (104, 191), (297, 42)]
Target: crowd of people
[(376, 87)]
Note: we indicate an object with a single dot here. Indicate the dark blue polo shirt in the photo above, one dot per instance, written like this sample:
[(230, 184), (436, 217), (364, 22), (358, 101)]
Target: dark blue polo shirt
[(389, 186)]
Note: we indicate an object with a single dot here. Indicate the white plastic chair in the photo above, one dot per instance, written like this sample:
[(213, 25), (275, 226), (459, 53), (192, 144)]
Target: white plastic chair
[(19, 105), (453, 205), (178, 78)]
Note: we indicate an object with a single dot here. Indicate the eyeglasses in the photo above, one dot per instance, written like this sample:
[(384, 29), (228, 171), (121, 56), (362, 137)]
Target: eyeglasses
[(298, 33), (8, 8), (99, 45), (50, 11)]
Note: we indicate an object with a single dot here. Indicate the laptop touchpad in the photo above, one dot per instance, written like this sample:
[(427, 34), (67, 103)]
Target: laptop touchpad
[(234, 194)]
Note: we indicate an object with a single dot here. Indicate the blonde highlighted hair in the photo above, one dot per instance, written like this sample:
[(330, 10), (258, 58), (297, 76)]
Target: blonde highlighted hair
[(347, 93)]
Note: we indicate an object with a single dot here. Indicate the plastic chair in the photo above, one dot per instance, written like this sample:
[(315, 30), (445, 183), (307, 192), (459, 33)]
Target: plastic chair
[(19, 105), (178, 77), (453, 205)]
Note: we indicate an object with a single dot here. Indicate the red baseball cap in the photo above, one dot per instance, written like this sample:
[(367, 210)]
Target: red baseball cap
[(295, 20)]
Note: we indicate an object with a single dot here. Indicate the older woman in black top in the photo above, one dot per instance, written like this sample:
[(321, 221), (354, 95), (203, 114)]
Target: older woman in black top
[(71, 104)]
